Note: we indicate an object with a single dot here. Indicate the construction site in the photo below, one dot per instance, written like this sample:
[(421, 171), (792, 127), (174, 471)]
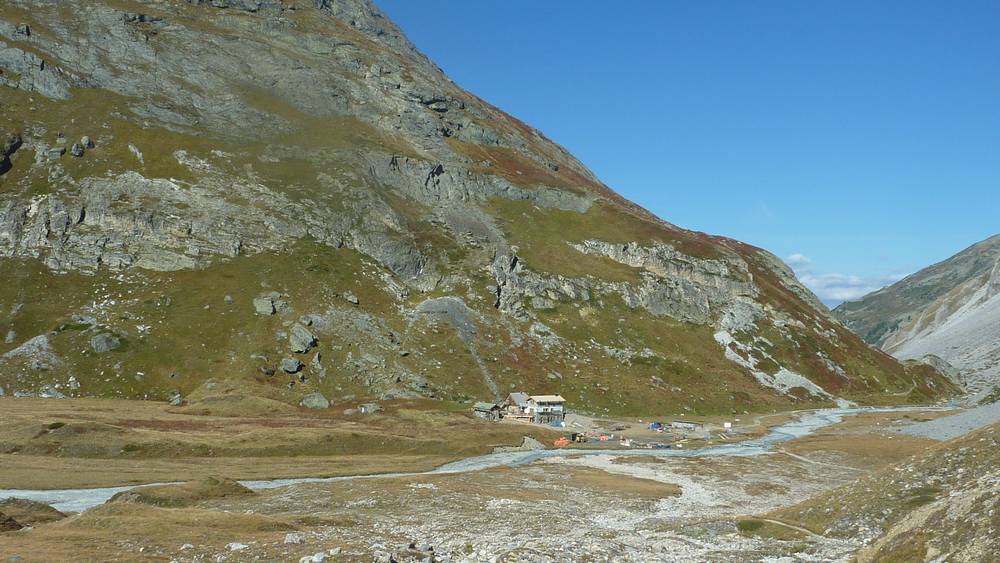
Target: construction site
[(550, 410)]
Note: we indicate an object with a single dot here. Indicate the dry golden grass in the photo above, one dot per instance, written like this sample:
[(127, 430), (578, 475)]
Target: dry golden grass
[(95, 442), (868, 451), (117, 532), (184, 494), (866, 441), (41, 472)]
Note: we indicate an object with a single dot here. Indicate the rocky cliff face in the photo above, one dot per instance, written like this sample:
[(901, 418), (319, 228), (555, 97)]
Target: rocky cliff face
[(948, 312), (188, 186)]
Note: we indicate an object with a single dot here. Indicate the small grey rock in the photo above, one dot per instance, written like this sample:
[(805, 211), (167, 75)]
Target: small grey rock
[(56, 153), (315, 401), (84, 319), (228, 300), (291, 365), (87, 142), (300, 339), (105, 342), (50, 392), (76, 150), (263, 305), (351, 298), (295, 538), (11, 336), (175, 399)]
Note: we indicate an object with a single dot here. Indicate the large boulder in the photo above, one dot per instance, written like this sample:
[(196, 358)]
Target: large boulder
[(315, 401), (263, 306), (291, 365), (105, 342), (300, 339)]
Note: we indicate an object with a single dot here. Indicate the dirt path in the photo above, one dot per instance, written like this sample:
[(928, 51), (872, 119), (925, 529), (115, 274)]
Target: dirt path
[(812, 535), (821, 463)]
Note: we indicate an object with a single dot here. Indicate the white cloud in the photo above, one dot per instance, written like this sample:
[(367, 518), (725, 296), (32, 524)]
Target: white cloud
[(835, 288), (798, 261)]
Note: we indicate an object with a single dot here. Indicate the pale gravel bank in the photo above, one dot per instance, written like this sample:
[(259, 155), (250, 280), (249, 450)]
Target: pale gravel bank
[(957, 424)]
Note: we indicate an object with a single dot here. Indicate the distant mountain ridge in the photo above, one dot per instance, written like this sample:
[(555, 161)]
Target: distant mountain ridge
[(950, 310)]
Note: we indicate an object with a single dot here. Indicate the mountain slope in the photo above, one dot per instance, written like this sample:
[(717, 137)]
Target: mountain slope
[(950, 310), (939, 505), (292, 197)]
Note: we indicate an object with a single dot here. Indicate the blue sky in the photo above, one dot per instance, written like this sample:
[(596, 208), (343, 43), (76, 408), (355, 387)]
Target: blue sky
[(860, 141)]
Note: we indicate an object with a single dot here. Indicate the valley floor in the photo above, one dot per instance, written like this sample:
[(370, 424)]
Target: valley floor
[(598, 507)]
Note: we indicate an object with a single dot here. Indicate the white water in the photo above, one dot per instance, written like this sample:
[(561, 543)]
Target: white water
[(76, 500)]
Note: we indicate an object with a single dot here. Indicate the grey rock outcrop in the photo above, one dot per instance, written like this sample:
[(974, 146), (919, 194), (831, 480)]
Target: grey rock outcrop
[(35, 355), (29, 72), (678, 285)]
